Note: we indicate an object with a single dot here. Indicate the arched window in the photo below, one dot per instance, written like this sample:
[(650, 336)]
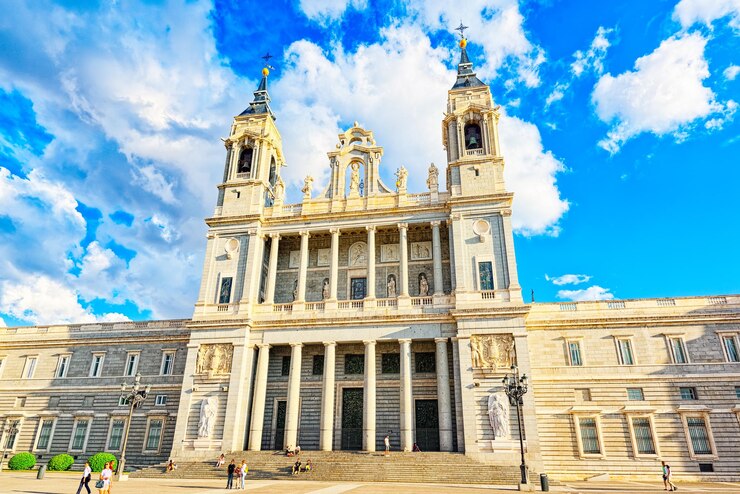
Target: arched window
[(473, 138), (244, 164), (273, 173)]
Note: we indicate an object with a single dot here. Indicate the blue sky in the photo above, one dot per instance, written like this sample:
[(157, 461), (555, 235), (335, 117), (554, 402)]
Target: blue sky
[(618, 129)]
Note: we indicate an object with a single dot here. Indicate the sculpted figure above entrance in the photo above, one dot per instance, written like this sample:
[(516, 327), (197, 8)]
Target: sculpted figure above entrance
[(492, 351), (214, 359)]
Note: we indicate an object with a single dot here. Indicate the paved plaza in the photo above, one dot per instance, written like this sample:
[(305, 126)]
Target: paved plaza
[(66, 483)]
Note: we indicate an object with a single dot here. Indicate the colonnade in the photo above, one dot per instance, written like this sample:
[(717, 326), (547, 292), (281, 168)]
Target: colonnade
[(327, 427)]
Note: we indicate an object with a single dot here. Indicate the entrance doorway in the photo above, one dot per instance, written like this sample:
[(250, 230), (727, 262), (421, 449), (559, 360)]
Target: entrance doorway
[(352, 405), (427, 425), (280, 425), (358, 288)]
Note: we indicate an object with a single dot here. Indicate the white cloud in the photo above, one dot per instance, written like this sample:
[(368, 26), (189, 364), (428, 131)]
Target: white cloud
[(593, 58), (558, 92), (730, 73), (569, 279), (594, 292), (326, 11), (689, 12), (663, 94), (153, 181)]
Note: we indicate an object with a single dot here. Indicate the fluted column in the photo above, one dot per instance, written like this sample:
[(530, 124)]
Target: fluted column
[(272, 268), (294, 393), (443, 395), (258, 403), (437, 253), (368, 419), (407, 426), (303, 267), (334, 264), (404, 254), (370, 262), (327, 397)]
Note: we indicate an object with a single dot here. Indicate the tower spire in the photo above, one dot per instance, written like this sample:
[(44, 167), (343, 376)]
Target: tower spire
[(261, 101), (465, 75)]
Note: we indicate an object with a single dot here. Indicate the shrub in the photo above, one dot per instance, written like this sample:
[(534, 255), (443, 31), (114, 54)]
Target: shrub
[(22, 461), (98, 460), (60, 463)]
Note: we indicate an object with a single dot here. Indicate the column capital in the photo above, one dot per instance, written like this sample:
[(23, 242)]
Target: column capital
[(296, 344), (455, 216), (330, 343), (335, 231), (404, 340), (264, 346), (435, 224), (275, 236), (440, 340), (371, 228), (368, 342), (304, 233), (403, 226), (506, 212)]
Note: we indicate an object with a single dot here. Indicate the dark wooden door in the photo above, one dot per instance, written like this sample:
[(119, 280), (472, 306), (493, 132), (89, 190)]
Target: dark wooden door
[(352, 404), (280, 425), (358, 288), (427, 425)]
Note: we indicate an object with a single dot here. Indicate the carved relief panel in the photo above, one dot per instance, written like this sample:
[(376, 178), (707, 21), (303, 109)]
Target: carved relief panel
[(214, 359), (493, 351)]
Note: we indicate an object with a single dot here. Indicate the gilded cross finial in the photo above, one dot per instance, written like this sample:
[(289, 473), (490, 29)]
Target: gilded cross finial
[(462, 29)]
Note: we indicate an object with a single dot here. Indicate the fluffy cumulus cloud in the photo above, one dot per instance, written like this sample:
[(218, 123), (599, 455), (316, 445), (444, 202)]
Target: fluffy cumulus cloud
[(594, 292), (664, 93), (690, 12), (326, 11), (568, 279), (731, 72), (593, 58)]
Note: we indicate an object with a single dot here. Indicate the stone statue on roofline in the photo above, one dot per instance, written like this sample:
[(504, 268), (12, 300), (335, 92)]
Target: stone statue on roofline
[(307, 187), (402, 177), (433, 179)]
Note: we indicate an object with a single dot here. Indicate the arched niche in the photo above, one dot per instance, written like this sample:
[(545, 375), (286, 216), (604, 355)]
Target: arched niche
[(244, 163), (473, 135)]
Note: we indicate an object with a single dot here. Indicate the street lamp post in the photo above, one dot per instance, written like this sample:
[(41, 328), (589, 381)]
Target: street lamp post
[(10, 432), (515, 387), (134, 396)]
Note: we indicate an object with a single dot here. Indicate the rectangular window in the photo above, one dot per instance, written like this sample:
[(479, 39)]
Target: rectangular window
[(12, 433), (731, 348), (625, 352), (390, 363), (168, 361), (62, 366), (635, 394), (589, 436), (161, 400), (425, 362), (317, 368), (679, 351), (30, 367), (96, 367), (54, 402), (574, 353), (154, 434), (688, 393), (122, 401), (285, 367), (582, 394), (79, 434), (88, 402), (116, 434), (737, 392), (45, 434), (224, 295), (20, 402), (699, 436), (354, 364), (643, 436), (132, 363), (485, 273)]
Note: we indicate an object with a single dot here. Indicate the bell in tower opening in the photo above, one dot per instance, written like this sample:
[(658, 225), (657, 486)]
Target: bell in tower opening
[(472, 136)]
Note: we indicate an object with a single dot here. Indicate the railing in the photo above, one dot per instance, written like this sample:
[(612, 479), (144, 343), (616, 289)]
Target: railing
[(487, 295), (292, 209), (568, 306), (717, 300), (422, 301), (617, 304), (387, 302), (223, 307), (242, 176), (474, 152), (315, 306), (351, 304), (423, 197), (282, 308), (666, 302)]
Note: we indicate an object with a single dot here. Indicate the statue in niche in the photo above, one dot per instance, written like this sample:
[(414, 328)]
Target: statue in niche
[(207, 421), (391, 286), (307, 187), (402, 177), (498, 414), (214, 359), (279, 190), (433, 179), (493, 351), (423, 285), (325, 289), (295, 290), (354, 179), (358, 254)]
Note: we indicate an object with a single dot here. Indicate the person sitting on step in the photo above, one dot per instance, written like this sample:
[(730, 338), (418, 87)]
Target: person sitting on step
[(307, 467), (296, 467)]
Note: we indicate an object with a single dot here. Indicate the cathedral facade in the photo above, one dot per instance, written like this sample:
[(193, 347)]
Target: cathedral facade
[(367, 311)]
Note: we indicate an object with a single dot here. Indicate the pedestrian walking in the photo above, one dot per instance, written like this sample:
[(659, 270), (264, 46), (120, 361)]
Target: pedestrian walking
[(387, 442), (243, 468), (85, 480), (230, 472), (105, 476), (667, 474)]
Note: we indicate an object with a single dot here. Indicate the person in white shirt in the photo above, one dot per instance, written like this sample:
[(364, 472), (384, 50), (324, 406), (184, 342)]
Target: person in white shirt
[(387, 442), (105, 476), (244, 471), (86, 477)]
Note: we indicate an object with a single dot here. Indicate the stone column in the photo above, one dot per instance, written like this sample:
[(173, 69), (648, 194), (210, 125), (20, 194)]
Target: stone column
[(294, 396), (459, 424), (460, 138), (450, 241), (303, 267), (370, 262), (327, 397), (272, 268), (437, 253), (443, 396), (333, 277), (235, 418), (407, 401), (368, 419), (515, 291), (484, 132), (404, 255), (258, 403)]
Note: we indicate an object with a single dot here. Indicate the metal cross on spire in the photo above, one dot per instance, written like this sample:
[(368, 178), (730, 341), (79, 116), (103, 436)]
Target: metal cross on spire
[(462, 29), (267, 57)]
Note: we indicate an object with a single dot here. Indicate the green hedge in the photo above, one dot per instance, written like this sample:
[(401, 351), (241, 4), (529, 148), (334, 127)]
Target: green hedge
[(22, 461), (60, 463), (98, 460)]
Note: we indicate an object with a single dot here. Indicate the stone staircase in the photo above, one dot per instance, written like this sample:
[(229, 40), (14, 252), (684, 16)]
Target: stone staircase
[(448, 468)]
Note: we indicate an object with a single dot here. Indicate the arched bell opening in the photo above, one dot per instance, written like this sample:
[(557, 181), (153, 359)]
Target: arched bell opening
[(473, 136), (244, 164)]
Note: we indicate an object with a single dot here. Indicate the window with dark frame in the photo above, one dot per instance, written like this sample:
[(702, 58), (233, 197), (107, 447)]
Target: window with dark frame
[(425, 362), (635, 394), (688, 393), (354, 364), (390, 363), (485, 274), (318, 365), (224, 295), (285, 366)]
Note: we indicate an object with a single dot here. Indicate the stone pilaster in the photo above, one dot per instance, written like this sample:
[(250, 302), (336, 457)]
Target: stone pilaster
[(235, 418), (370, 262), (404, 255), (272, 268), (368, 419), (183, 410), (467, 395), (301, 298), (333, 277), (258, 403), (437, 255), (444, 406), (294, 396), (327, 397), (407, 401)]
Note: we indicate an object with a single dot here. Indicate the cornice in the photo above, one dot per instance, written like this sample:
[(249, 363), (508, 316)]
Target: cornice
[(632, 321)]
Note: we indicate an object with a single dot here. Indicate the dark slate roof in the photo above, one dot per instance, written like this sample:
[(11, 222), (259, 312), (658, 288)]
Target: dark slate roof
[(465, 75), (261, 102)]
